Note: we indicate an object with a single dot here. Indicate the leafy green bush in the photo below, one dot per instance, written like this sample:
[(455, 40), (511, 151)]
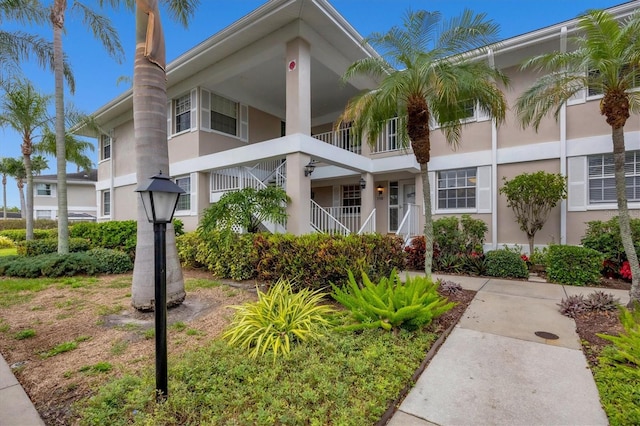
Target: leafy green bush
[(18, 235), (279, 319), (618, 375), (391, 303), (55, 265), (111, 261), (415, 253), (187, 246), (38, 224), (505, 263), (573, 265), (115, 234), (453, 237), (225, 254), (605, 238), (50, 245), (6, 242)]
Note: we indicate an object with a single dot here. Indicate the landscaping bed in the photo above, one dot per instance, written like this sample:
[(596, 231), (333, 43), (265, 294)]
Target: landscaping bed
[(66, 338)]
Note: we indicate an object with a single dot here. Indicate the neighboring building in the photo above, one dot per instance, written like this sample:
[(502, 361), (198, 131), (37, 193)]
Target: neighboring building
[(256, 104), (81, 196)]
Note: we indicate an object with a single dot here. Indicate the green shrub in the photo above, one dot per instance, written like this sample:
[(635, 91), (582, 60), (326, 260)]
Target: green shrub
[(18, 235), (50, 265), (111, 261), (605, 238), (391, 303), (187, 246), (50, 245), (115, 234), (38, 224), (505, 263), (6, 242), (453, 237), (573, 265), (178, 227), (279, 319), (618, 375)]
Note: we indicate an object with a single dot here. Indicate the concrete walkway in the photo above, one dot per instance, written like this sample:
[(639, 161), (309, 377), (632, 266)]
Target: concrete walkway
[(491, 370), (494, 370)]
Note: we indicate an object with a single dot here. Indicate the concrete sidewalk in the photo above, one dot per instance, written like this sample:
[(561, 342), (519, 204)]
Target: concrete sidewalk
[(493, 368), (16, 408)]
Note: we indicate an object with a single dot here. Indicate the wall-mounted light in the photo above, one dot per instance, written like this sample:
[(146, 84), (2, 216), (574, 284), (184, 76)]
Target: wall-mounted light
[(363, 183), (380, 190), (309, 168)]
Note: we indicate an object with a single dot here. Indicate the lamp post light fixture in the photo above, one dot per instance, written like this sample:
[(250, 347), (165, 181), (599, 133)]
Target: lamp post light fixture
[(160, 198), (363, 183)]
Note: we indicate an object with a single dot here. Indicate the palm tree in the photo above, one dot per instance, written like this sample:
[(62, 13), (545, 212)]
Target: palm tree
[(102, 30), (18, 46), (16, 171), (25, 111), (427, 75), (75, 149), (152, 154), (6, 169), (606, 59)]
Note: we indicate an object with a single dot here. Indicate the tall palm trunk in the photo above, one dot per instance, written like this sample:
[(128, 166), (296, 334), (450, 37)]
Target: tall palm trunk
[(23, 207), (4, 196), (26, 153), (152, 156), (428, 220), (57, 19), (623, 212)]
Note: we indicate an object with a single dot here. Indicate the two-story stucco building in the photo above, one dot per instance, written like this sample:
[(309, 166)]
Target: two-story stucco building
[(81, 196), (256, 103)]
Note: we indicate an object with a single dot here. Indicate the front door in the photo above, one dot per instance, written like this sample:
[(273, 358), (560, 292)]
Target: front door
[(401, 194)]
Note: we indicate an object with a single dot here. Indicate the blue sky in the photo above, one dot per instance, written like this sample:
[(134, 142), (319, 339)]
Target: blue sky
[(96, 73)]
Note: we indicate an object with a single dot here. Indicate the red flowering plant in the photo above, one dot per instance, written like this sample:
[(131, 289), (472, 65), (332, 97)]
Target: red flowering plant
[(625, 270)]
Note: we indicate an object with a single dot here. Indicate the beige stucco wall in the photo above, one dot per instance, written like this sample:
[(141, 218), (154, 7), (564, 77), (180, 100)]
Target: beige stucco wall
[(577, 222), (584, 120), (184, 146), (124, 203), (474, 137), (122, 151), (81, 195), (508, 230), (263, 126), (510, 133)]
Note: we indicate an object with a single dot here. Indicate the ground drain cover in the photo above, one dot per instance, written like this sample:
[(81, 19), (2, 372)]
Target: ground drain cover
[(546, 335)]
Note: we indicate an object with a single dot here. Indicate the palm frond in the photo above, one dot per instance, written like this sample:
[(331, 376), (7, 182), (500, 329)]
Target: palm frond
[(102, 29), (23, 11), (467, 32), (182, 10)]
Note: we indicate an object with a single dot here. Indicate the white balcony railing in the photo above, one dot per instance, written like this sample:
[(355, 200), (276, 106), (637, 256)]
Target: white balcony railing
[(342, 138), (323, 221), (369, 225), (409, 226), (389, 138)]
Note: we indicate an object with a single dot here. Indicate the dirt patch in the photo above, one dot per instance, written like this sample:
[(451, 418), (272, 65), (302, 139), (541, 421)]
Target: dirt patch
[(589, 325), (98, 319)]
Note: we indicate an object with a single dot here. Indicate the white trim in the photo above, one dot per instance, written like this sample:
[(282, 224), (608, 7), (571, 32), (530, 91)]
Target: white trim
[(528, 153), (577, 184), (484, 189)]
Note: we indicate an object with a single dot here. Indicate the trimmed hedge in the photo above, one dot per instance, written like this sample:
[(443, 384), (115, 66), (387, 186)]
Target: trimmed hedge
[(573, 265), (311, 260), (50, 245), (55, 265), (22, 223), (18, 235), (116, 234), (505, 263)]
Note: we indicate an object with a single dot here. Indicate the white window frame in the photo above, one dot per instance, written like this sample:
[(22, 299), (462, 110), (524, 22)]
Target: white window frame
[(103, 204), (242, 115), (438, 179), (181, 107), (351, 194), (633, 173), (39, 214), (48, 187), (105, 143), (188, 191)]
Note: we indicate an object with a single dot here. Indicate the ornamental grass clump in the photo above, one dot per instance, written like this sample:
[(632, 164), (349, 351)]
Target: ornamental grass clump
[(391, 304), (278, 320)]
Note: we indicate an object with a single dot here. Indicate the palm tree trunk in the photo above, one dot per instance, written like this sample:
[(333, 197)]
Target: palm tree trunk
[(623, 214), (4, 196), (29, 216), (23, 207), (428, 220), (57, 18), (152, 156)]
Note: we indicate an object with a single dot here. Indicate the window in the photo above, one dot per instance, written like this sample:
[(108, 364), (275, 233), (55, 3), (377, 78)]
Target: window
[(44, 189), (468, 110), (106, 203), (184, 201), (591, 90), (182, 107), (43, 214), (602, 184), (350, 195), (105, 147), (457, 189), (224, 115)]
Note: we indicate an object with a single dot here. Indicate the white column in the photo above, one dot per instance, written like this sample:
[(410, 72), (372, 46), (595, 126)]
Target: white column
[(367, 197), (563, 148), (298, 69), (299, 189)]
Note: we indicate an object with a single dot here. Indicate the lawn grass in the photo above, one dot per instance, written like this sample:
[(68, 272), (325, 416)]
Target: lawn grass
[(345, 378), (14, 291)]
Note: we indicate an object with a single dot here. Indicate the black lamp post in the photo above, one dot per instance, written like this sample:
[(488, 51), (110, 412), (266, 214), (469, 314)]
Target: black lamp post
[(160, 199)]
